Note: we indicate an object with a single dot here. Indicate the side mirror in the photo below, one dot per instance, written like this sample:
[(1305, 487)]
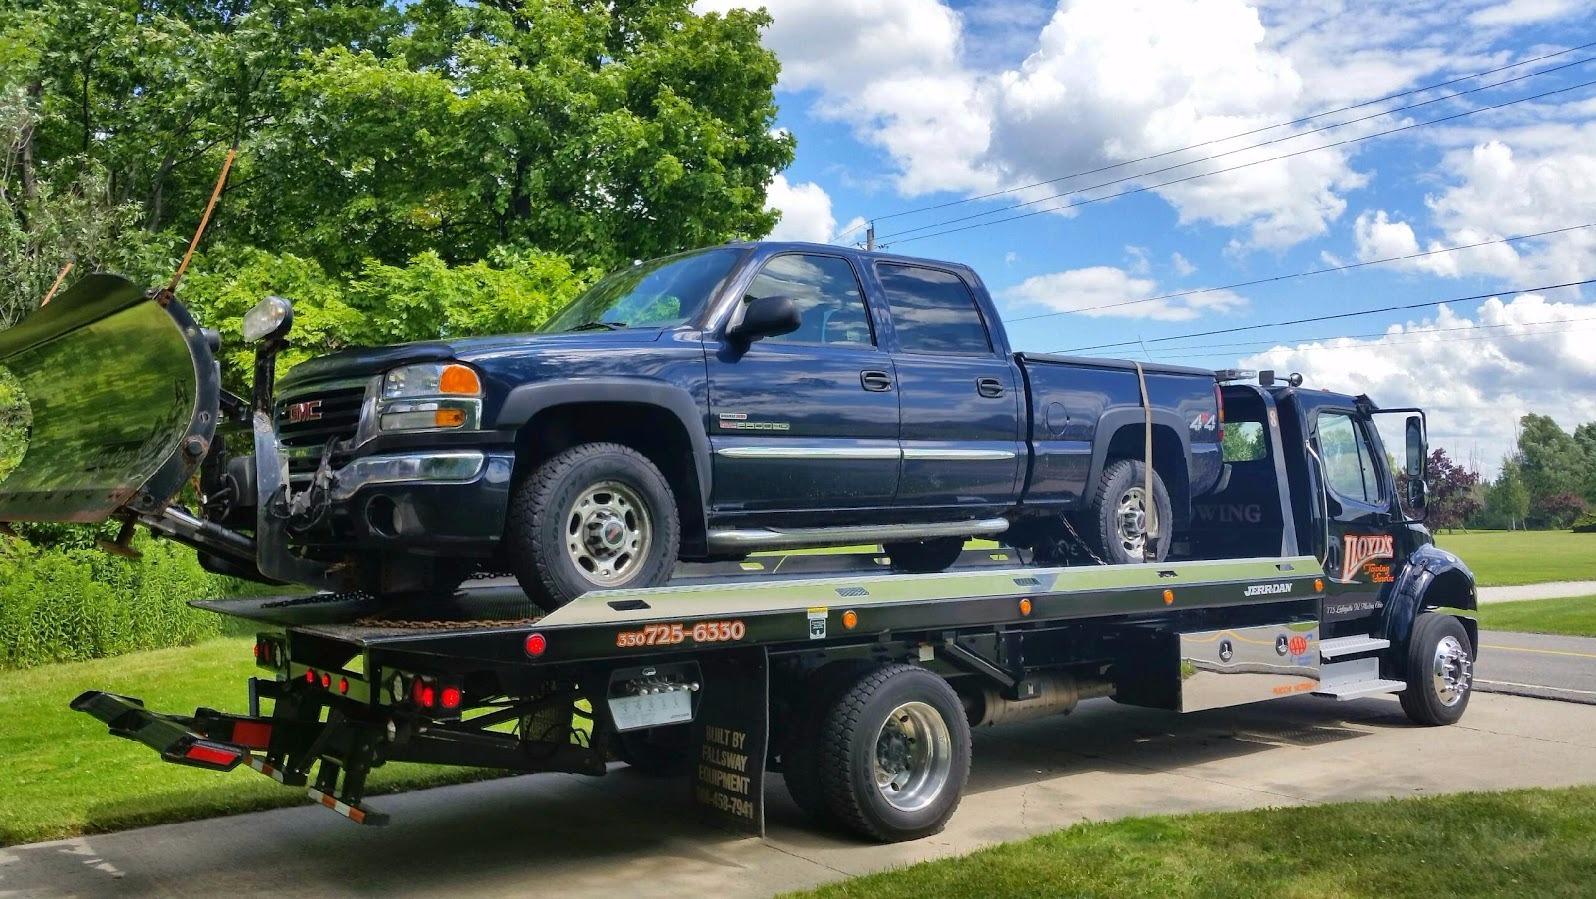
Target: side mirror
[(1416, 449), (1418, 495), (766, 317)]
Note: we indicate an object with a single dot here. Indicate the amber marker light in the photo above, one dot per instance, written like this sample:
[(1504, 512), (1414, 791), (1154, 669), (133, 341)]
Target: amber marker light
[(1169, 597), (1025, 606), (850, 619), (460, 379), (449, 418), (1318, 585)]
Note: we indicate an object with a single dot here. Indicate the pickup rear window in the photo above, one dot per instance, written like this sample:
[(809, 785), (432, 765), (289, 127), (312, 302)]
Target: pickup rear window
[(933, 311)]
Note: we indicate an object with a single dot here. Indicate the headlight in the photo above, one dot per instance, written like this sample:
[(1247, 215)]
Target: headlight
[(431, 379), (430, 397)]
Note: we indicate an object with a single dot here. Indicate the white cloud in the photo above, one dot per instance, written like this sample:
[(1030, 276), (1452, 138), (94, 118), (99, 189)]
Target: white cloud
[(805, 211), (1474, 376), (1085, 290), (1182, 266), (1524, 12)]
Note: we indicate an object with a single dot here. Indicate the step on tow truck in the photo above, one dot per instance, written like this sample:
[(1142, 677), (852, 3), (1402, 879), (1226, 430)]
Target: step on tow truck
[(1306, 571)]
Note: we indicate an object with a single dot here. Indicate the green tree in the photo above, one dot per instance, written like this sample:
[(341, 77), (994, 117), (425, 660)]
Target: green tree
[(1507, 500), (1552, 463), (1585, 436)]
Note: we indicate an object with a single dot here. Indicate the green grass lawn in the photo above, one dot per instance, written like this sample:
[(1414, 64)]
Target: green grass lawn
[(1525, 557), (61, 774), (1521, 843), (1573, 617)]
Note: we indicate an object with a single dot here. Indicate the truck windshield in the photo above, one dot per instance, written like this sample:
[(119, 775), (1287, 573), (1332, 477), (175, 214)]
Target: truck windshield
[(658, 293)]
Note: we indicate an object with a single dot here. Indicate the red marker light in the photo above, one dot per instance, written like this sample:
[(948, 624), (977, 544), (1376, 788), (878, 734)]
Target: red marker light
[(536, 645), (429, 696), (343, 685), (326, 680), (259, 650), (310, 675), (451, 697)]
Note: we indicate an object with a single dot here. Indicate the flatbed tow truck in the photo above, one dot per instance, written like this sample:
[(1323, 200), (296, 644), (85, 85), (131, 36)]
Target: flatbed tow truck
[(1304, 573)]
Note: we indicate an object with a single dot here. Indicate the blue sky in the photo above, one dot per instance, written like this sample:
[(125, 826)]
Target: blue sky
[(901, 104)]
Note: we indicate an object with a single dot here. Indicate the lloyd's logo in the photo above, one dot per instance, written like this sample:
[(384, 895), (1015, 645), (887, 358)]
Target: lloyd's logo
[(1359, 550)]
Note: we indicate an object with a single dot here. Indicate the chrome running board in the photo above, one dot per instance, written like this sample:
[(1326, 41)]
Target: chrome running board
[(770, 538)]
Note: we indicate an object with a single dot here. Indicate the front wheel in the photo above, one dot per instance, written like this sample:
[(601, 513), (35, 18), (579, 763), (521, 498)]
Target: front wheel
[(596, 517), (1440, 670)]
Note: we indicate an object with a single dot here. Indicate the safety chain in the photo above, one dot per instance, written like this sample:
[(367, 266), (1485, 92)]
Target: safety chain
[(1080, 541), (438, 625)]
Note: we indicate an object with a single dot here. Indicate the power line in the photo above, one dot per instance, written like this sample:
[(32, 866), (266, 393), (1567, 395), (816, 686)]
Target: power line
[(1324, 318), (1217, 140), (1351, 140), (1364, 346), (1287, 277), (1271, 142), (1371, 334)]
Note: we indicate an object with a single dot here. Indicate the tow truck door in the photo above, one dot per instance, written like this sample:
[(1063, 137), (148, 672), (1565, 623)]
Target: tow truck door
[(1355, 492)]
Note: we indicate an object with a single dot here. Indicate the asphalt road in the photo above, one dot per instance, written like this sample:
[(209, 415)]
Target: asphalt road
[(626, 834), (1537, 665)]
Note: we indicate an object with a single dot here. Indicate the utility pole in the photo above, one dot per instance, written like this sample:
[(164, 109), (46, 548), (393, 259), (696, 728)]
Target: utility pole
[(870, 237)]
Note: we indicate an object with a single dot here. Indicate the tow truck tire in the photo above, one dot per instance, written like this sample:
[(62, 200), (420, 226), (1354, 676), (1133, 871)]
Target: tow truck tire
[(1440, 670), (925, 556), (1117, 513), (598, 516), (800, 761), (894, 754)]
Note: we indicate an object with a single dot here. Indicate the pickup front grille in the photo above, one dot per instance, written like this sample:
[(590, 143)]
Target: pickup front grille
[(313, 417)]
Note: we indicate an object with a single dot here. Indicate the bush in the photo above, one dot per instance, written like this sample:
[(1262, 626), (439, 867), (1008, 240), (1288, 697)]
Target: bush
[(68, 603), (1585, 524)]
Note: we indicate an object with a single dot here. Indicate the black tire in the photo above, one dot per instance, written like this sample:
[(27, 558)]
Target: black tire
[(657, 751), (1423, 700), (925, 556), (800, 757), (542, 514), (848, 747), (1121, 479)]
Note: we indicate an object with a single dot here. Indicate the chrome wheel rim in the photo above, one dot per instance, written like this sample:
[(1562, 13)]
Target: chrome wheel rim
[(1130, 521), (1452, 671), (608, 533), (914, 757)]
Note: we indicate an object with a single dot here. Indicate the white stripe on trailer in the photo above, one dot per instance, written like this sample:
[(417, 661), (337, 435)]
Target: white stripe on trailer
[(266, 768), (353, 813)]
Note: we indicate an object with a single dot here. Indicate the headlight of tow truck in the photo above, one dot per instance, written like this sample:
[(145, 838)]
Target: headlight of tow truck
[(440, 396)]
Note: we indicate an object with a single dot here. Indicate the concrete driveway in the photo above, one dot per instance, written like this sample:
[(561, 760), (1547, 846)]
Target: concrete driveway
[(572, 836)]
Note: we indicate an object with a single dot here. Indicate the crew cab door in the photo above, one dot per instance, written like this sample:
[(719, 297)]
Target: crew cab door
[(1361, 551), (808, 420), (959, 391)]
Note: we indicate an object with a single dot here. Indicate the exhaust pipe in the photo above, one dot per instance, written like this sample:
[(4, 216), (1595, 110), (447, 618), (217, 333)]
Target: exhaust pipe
[(1058, 693)]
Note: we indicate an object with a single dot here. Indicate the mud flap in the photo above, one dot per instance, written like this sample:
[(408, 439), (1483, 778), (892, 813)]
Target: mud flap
[(123, 398), (730, 737)]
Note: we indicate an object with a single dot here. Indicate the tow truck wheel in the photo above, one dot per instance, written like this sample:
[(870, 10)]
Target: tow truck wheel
[(1116, 520), (925, 556), (894, 754), (596, 517), (1440, 670)]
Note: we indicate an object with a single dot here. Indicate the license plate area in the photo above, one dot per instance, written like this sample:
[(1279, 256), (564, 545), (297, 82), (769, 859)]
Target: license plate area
[(654, 695)]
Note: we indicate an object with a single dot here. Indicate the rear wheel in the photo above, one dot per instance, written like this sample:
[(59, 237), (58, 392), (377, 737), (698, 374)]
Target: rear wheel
[(925, 556), (894, 754), (1440, 670), (596, 517), (1117, 517)]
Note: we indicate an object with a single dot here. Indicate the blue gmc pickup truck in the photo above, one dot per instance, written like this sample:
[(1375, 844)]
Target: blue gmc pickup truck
[(739, 398), (701, 406)]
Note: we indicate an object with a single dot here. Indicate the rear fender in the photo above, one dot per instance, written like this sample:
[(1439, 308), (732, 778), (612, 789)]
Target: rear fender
[(124, 394), (1432, 579)]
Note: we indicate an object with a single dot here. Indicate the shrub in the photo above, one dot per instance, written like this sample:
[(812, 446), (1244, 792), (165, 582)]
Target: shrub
[(68, 603), (1585, 524)]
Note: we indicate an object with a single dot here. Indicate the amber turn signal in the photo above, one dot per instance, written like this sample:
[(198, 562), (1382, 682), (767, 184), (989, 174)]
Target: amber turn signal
[(1025, 606), (1169, 597), (850, 619), (459, 379)]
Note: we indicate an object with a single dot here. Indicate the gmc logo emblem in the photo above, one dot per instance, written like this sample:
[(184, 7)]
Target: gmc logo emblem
[(309, 410)]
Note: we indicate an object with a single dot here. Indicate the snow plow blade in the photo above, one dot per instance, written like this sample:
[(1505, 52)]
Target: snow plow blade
[(123, 397)]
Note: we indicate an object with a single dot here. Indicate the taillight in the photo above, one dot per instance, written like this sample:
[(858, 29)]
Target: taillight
[(536, 645), (450, 697), (310, 676), (343, 685), (1219, 401)]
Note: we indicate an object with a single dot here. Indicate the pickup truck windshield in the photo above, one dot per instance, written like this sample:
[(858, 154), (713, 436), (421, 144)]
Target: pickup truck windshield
[(658, 293)]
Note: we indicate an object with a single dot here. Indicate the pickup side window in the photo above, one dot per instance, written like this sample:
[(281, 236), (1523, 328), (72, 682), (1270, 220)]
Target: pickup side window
[(933, 311), (830, 301), (1348, 462)]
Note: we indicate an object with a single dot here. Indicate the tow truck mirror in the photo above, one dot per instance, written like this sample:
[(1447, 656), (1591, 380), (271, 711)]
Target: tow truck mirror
[(766, 317), (1417, 454)]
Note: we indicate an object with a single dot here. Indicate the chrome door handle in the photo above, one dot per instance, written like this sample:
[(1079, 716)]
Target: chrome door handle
[(875, 381), (991, 388)]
